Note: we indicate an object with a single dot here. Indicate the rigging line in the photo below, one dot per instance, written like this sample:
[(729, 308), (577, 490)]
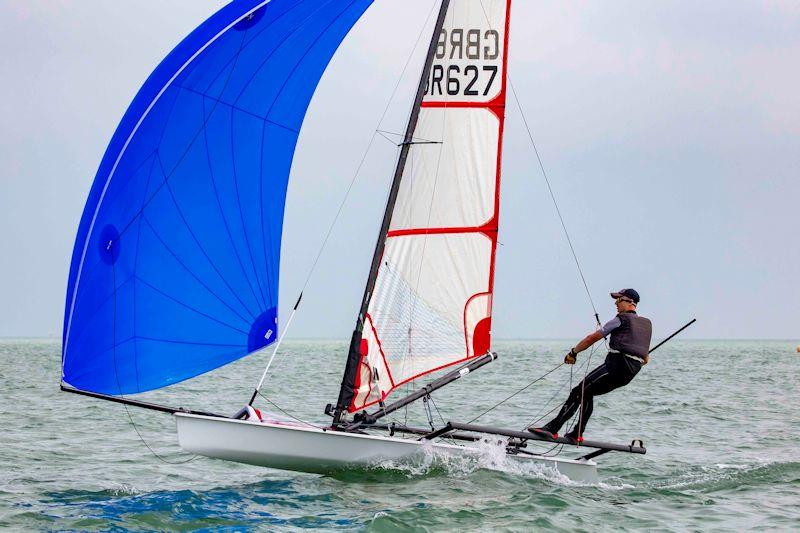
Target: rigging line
[(498, 404), (583, 390), (415, 140), (450, 439), (280, 91), (427, 405), (276, 406), (546, 179), (437, 408), (553, 198), (383, 134), (558, 406), (222, 215), (415, 298), (275, 350), (546, 452), (366, 151), (116, 374), (536, 418), (346, 196), (157, 455)]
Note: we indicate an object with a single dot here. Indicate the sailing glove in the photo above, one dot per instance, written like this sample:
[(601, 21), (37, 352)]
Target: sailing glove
[(571, 357)]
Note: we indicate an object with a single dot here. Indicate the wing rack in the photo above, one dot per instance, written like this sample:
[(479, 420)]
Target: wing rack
[(636, 446)]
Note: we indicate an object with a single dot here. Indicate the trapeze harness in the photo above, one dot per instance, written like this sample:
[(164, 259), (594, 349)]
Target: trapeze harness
[(629, 346)]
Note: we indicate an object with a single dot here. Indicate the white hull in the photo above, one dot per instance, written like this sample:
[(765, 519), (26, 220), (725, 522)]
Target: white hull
[(307, 449)]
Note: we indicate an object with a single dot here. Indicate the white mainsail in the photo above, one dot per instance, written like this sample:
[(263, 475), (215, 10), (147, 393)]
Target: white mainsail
[(432, 302)]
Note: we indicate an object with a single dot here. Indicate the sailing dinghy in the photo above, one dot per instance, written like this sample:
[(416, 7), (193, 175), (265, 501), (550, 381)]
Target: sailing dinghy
[(175, 267)]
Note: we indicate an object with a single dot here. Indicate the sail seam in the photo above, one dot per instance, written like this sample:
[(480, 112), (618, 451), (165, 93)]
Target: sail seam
[(179, 211), (156, 234), (187, 306), (225, 218)]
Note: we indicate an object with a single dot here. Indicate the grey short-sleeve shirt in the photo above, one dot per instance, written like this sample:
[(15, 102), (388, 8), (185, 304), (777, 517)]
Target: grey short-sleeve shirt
[(610, 326)]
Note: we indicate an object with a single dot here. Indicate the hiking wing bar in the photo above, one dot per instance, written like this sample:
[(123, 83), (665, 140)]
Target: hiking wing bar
[(636, 446)]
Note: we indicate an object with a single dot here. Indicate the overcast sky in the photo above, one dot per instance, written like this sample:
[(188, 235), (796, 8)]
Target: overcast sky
[(670, 132)]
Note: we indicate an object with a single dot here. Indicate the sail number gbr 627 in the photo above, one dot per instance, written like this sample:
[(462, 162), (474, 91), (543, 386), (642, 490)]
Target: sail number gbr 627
[(466, 63)]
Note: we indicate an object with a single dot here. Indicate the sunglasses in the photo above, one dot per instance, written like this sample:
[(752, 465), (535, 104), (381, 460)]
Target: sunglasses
[(618, 300)]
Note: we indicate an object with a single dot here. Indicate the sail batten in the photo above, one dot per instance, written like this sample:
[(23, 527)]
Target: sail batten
[(431, 305), (176, 263)]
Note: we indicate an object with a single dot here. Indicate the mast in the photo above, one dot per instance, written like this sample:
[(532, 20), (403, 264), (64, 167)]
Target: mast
[(346, 390)]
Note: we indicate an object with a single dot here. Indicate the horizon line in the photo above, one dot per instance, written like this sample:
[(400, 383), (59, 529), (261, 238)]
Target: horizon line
[(499, 339)]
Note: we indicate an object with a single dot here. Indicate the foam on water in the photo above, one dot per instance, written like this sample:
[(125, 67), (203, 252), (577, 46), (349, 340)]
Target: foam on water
[(485, 454)]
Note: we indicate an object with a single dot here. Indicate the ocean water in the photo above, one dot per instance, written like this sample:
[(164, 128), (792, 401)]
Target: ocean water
[(720, 420)]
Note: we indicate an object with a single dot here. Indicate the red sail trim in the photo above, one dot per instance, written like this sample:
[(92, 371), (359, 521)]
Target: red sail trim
[(487, 229), (497, 101), (466, 307), (499, 110), (353, 409), (380, 349), (481, 336), (490, 229)]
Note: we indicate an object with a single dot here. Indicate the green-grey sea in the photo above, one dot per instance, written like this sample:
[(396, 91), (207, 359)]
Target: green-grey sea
[(720, 420)]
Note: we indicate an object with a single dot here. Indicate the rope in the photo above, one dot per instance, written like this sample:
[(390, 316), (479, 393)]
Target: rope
[(498, 404), (116, 375), (583, 389), (428, 412), (159, 457), (547, 181), (535, 420), (448, 438), (553, 198), (276, 406)]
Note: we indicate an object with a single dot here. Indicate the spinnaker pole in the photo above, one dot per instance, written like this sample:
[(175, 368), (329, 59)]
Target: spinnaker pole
[(348, 379)]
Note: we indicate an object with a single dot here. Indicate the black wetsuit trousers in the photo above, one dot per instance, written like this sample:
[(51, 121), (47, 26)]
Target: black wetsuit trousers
[(617, 371)]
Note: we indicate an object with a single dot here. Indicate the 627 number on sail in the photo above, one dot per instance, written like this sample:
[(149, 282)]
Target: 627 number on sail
[(461, 76)]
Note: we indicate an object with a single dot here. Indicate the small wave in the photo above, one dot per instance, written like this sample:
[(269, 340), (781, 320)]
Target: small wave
[(721, 476), (725, 466)]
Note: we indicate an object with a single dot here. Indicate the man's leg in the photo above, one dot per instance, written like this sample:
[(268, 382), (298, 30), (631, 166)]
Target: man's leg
[(601, 383), (581, 390)]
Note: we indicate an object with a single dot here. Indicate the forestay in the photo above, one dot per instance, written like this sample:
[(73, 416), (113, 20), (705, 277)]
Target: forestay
[(431, 306), (175, 265)]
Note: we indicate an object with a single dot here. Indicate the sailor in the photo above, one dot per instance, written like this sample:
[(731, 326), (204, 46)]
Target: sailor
[(629, 348)]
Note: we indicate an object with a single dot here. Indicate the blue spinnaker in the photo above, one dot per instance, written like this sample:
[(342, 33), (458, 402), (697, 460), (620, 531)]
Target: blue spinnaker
[(175, 267)]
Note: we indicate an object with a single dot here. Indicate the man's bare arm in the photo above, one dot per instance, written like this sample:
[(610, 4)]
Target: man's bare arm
[(587, 341)]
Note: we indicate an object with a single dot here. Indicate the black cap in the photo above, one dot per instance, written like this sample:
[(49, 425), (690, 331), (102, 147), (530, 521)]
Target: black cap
[(626, 293)]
